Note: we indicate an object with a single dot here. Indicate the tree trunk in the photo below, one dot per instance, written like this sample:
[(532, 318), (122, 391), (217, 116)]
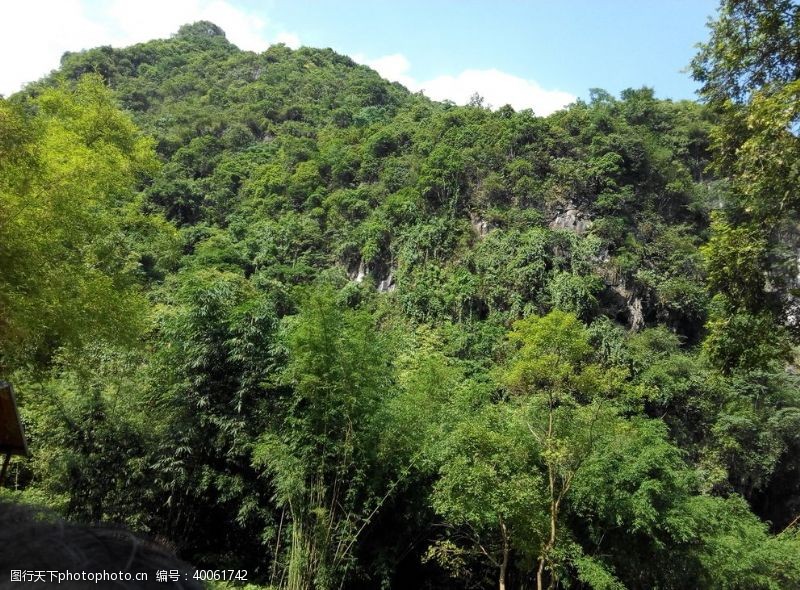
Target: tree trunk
[(555, 500), (539, 572), (504, 563), (548, 548)]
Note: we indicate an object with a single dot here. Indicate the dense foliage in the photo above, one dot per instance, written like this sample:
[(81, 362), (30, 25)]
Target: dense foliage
[(285, 316)]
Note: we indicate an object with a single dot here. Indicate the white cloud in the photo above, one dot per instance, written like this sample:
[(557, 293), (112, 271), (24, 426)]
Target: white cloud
[(496, 87), (289, 39), (38, 32), (35, 33), (392, 67)]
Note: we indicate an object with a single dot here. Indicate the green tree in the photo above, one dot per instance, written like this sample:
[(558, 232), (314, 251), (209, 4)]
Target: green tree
[(322, 453), (489, 486), (70, 160), (749, 70), (565, 394), (207, 386), (754, 44)]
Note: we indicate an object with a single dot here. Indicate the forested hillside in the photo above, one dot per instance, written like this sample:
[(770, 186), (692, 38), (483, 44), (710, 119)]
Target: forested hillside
[(282, 315)]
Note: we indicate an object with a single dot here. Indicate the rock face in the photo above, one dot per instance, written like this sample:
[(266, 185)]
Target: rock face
[(790, 237), (480, 226), (384, 277), (620, 301), (633, 305), (623, 301), (358, 273), (571, 218), (387, 285)]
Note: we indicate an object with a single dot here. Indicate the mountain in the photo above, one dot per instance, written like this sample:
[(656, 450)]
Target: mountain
[(373, 173), (374, 340)]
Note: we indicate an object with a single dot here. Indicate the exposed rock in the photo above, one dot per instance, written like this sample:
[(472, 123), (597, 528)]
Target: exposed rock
[(387, 285), (481, 226), (636, 318), (572, 219), (362, 272), (383, 276), (789, 238), (629, 305), (792, 318), (358, 273), (797, 268)]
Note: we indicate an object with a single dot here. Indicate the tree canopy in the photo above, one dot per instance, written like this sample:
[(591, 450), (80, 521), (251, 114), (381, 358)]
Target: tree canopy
[(290, 318)]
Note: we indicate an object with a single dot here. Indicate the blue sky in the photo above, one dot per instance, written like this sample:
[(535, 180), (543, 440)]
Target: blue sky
[(540, 54)]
